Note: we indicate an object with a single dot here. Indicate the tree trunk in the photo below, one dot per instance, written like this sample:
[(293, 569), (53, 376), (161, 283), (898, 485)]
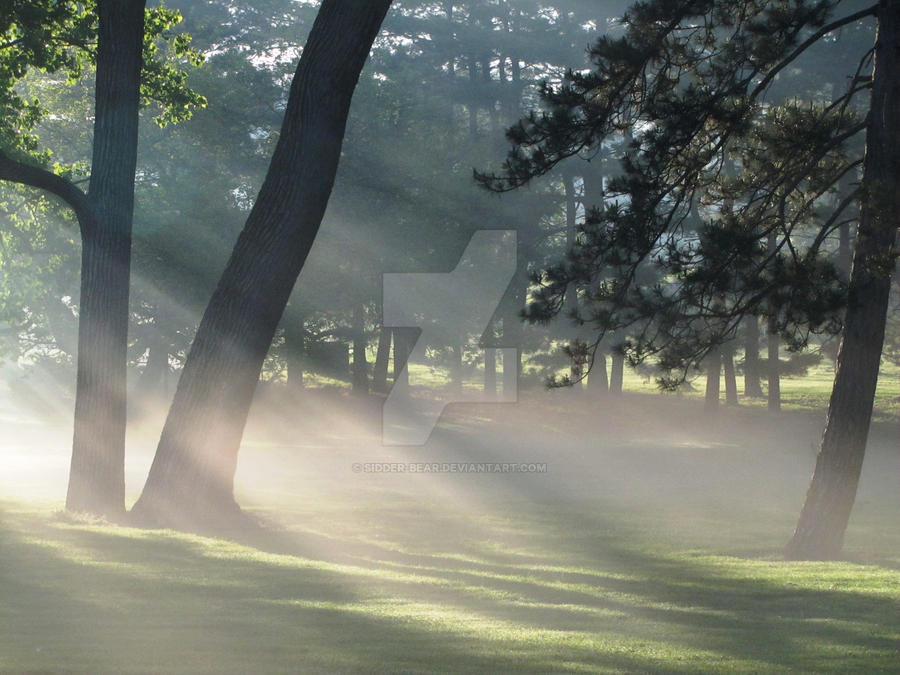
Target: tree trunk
[(773, 370), (191, 481), (616, 373), (382, 356), (490, 373), (456, 368), (713, 373), (571, 298), (295, 352), (829, 501), (152, 383), (512, 372), (63, 326), (360, 364), (598, 382), (404, 340), (752, 384), (97, 472), (731, 395)]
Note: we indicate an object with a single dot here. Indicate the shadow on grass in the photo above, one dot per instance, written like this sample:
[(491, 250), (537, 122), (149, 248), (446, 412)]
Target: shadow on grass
[(535, 579), (100, 599)]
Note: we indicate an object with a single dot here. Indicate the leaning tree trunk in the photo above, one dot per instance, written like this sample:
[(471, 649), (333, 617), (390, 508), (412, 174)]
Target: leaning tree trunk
[(97, 473), (823, 520), (192, 477)]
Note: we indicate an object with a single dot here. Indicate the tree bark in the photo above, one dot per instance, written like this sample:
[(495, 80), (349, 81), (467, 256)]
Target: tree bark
[(191, 480), (752, 384), (382, 356), (823, 521), (97, 472)]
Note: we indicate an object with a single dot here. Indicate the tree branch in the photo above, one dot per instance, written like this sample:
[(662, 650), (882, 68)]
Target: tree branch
[(809, 42), (34, 176)]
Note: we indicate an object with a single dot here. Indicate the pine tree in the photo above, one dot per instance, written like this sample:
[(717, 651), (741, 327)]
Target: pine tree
[(681, 251)]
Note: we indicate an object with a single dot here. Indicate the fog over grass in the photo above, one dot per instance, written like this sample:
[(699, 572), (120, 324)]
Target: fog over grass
[(651, 543)]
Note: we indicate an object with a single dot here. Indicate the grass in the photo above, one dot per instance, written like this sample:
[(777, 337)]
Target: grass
[(91, 598), (652, 545), (809, 392)]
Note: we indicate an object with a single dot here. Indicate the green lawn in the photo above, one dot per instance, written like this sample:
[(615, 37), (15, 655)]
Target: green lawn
[(576, 598), (649, 546)]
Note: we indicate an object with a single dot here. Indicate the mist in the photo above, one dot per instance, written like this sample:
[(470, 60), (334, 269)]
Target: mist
[(543, 390)]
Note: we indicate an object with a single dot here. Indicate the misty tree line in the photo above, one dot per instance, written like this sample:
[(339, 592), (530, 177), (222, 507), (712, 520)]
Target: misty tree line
[(443, 81)]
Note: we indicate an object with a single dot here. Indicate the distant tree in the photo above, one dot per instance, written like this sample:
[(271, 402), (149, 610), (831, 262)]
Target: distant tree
[(696, 83), (192, 475), (65, 36)]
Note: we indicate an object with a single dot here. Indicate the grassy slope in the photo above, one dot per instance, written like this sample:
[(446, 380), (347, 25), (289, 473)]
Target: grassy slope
[(651, 546)]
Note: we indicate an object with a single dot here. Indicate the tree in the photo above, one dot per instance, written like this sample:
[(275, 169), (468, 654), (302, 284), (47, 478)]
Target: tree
[(824, 518), (192, 475), (696, 82), (57, 36)]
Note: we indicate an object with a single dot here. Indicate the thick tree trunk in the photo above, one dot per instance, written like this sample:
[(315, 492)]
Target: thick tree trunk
[(360, 364), (829, 501), (713, 383), (752, 384), (97, 472), (382, 357), (192, 477)]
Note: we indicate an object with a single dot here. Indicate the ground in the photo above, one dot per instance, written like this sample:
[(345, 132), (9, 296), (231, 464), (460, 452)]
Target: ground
[(651, 544)]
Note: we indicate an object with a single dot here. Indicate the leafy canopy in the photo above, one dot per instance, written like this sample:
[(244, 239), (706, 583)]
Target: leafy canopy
[(728, 190)]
